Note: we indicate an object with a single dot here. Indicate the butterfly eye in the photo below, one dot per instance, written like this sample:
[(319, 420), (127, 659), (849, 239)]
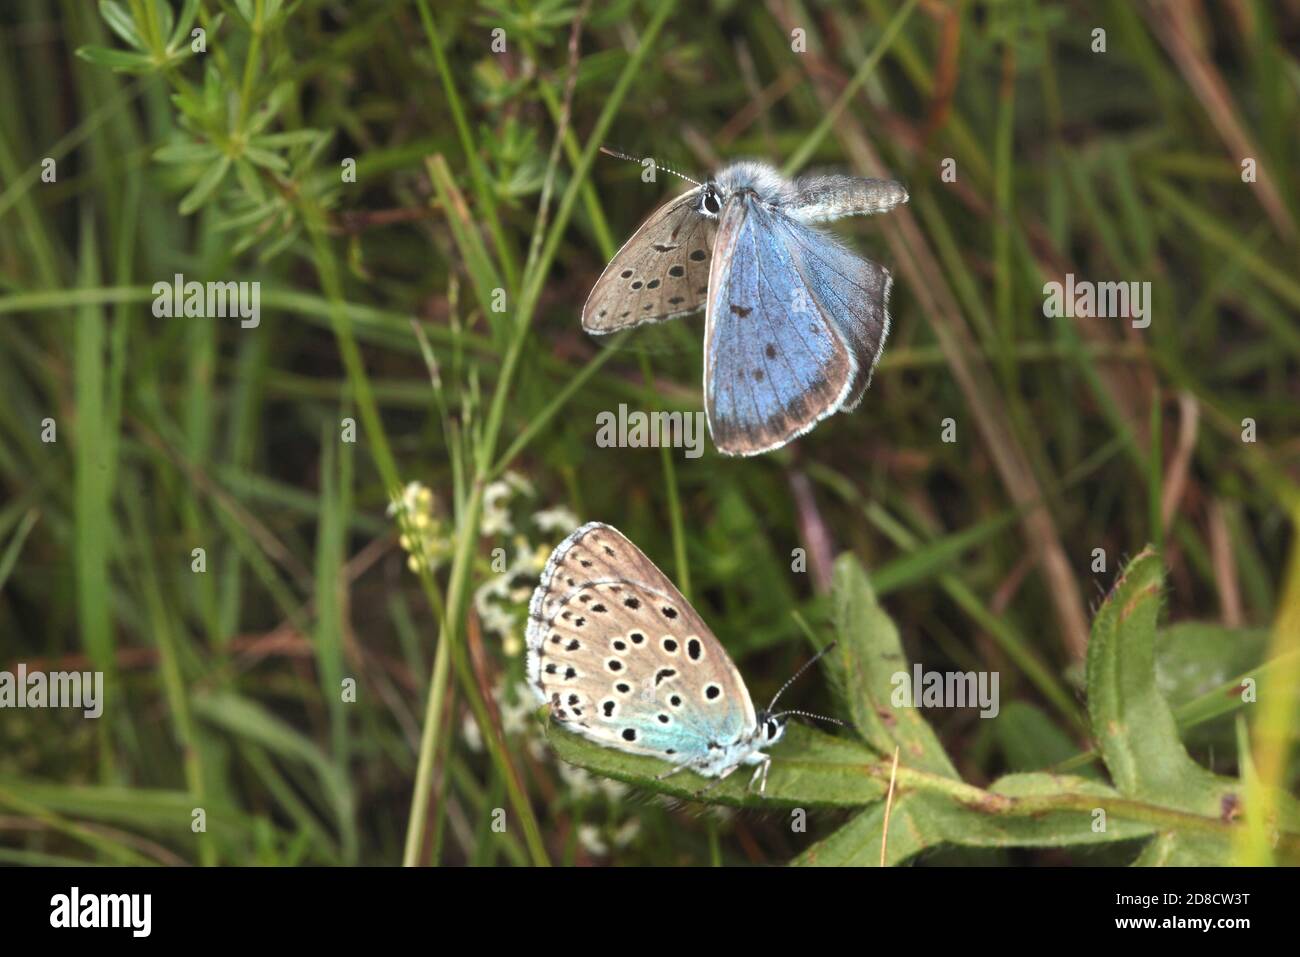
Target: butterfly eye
[(710, 203), (771, 728)]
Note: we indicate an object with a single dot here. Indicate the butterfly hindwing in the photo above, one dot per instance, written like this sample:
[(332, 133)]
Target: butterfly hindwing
[(774, 362), (851, 292), (662, 272), (623, 659)]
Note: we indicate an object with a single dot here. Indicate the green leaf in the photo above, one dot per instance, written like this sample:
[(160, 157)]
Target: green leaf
[(864, 669), (15, 546), (205, 187), (250, 722), (119, 60), (148, 810), (1177, 849), (189, 12), (930, 559), (1132, 723), (166, 17), (275, 141), (266, 159), (921, 820), (1228, 697), (280, 244), (466, 233), (809, 768), (1029, 739), (1194, 657), (186, 151), (1138, 738), (121, 23)]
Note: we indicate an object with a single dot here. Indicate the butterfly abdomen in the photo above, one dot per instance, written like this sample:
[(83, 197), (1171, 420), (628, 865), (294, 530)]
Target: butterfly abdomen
[(819, 199)]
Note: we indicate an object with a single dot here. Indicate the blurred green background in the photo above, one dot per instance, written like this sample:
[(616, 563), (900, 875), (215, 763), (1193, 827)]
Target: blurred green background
[(382, 171)]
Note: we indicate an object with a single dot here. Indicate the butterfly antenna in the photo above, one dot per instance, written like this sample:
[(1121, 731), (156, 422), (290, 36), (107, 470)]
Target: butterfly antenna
[(809, 714), (639, 159), (794, 677)]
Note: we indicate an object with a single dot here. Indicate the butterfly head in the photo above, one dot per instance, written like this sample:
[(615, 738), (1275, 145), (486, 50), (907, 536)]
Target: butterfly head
[(761, 179), (712, 198), (771, 723), (736, 179), (771, 727)]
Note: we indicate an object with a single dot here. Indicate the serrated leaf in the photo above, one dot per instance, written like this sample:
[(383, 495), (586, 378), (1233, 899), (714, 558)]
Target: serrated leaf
[(864, 667), (205, 187), (809, 768)]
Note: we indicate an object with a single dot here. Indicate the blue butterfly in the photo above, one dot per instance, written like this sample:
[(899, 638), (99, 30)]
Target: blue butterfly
[(623, 659), (795, 323)]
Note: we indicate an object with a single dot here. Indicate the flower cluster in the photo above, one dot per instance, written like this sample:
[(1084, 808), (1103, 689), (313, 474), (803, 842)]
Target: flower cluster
[(423, 536)]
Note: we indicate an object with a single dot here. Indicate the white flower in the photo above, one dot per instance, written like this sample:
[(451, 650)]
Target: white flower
[(470, 732), (626, 834), (496, 499), (558, 519), (580, 783), (496, 517), (515, 714), (590, 839), (612, 789)]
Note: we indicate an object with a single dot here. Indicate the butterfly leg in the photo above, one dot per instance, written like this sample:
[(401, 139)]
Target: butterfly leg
[(677, 770), (760, 775), (718, 780)]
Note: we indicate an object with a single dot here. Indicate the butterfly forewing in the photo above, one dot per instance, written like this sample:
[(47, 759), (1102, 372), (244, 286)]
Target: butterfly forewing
[(774, 363), (662, 272), (622, 658)]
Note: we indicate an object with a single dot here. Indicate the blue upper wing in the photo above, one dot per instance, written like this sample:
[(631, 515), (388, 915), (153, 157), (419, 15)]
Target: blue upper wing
[(775, 360), (851, 292)]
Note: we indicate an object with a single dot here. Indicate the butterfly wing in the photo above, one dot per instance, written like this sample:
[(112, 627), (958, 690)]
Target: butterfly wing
[(775, 364), (852, 293), (623, 659), (662, 272)]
